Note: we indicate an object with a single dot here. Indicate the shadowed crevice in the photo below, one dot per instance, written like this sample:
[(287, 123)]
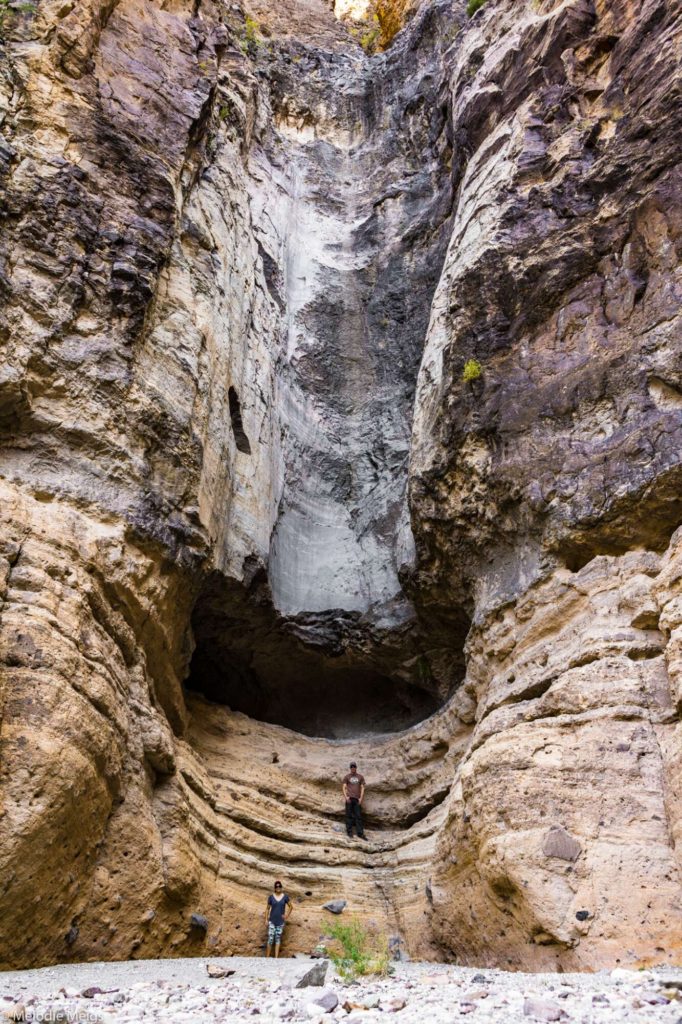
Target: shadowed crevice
[(241, 440), (332, 674)]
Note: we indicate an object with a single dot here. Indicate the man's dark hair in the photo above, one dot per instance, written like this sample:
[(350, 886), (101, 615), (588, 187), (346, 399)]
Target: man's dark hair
[(278, 885), (353, 764)]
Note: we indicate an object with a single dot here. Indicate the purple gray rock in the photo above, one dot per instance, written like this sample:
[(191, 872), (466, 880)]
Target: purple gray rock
[(326, 1001), (542, 1009), (334, 906), (558, 843), (313, 976)]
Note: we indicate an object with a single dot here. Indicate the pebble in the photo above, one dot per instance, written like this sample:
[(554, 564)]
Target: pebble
[(392, 1005), (215, 971), (542, 1009), (16, 1012), (188, 992), (327, 1000), (653, 998)]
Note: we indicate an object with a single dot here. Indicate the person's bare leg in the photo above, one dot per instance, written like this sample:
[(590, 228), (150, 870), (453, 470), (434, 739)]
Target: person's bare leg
[(276, 950), (267, 949)]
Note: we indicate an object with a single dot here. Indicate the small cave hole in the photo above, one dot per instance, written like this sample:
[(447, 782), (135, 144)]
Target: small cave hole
[(241, 440), (503, 888)]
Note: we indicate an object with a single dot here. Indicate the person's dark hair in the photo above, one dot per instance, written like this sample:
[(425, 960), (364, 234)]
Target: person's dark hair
[(278, 885), (353, 764)]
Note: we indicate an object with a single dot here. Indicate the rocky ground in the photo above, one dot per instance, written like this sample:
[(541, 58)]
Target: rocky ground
[(183, 991)]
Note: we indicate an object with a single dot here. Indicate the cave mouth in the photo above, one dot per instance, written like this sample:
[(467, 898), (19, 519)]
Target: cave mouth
[(332, 702), (325, 675)]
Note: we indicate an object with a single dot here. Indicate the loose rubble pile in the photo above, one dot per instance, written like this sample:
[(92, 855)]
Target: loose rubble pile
[(239, 989)]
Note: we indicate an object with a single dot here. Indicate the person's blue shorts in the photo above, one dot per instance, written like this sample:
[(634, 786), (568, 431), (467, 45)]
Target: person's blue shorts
[(274, 933)]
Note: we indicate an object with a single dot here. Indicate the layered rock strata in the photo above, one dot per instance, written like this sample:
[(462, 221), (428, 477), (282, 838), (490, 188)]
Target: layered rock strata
[(233, 249), (551, 481)]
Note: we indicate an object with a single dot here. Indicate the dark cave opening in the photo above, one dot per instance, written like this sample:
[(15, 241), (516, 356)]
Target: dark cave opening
[(320, 675), (241, 440), (322, 701)]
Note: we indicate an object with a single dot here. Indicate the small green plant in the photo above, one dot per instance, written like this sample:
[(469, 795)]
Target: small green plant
[(424, 670), (369, 39), (10, 7), (473, 6), (251, 34), (472, 371), (361, 953), (367, 33)]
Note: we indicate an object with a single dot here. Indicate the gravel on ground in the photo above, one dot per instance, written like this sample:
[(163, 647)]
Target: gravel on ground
[(184, 992)]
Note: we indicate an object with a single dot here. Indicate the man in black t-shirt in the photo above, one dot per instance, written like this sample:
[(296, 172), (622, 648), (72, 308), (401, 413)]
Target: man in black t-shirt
[(353, 791), (278, 910)]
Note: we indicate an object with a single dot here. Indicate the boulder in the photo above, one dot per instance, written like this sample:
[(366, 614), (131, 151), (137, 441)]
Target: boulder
[(334, 906), (311, 976)]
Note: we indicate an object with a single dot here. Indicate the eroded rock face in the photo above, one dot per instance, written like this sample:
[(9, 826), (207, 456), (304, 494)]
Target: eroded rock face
[(552, 482), (584, 733), (562, 281), (231, 255)]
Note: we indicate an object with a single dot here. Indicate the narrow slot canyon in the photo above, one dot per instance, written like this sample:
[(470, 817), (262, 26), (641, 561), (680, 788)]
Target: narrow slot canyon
[(318, 654), (341, 421)]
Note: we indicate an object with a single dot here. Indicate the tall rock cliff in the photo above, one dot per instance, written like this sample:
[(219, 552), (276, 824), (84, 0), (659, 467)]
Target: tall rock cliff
[(340, 414)]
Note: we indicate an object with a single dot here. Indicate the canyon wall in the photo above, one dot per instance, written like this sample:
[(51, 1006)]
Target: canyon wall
[(552, 483), (255, 520)]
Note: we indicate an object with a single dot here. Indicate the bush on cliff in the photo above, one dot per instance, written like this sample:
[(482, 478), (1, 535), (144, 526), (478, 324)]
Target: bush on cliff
[(473, 6), (250, 40), (7, 7), (472, 371)]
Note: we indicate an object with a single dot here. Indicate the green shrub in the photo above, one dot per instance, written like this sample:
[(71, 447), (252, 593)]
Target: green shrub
[(472, 371), (10, 7), (369, 39), (424, 670), (473, 6), (251, 36), (367, 33), (361, 953)]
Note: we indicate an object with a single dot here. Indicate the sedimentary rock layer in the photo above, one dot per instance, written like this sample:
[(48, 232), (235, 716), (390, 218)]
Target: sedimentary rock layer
[(552, 482), (235, 250)]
